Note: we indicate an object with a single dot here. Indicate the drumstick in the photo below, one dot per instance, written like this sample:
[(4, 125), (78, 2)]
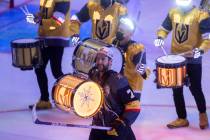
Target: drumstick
[(22, 9), (185, 53), (26, 9), (164, 51), (141, 57)]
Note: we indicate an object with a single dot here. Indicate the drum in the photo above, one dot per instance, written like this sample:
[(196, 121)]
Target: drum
[(26, 53), (85, 53), (171, 71), (84, 97)]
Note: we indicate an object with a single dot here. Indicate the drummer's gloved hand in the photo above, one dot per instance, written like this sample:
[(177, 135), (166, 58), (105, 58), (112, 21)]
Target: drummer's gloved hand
[(140, 68), (37, 19), (159, 42), (197, 52), (30, 18), (118, 125), (75, 40)]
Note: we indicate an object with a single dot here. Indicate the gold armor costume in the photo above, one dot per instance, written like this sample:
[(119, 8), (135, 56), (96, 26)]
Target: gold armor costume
[(135, 80), (190, 31), (104, 22), (55, 21), (186, 30)]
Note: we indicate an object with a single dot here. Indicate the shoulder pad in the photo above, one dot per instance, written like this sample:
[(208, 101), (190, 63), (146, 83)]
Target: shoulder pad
[(135, 48), (91, 4)]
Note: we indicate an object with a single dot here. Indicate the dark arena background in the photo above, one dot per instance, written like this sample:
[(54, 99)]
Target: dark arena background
[(18, 89)]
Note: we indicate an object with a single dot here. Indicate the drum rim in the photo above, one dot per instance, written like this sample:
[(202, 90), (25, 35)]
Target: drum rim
[(159, 86), (58, 79), (67, 74), (123, 57), (170, 65), (23, 67), (99, 107), (24, 38), (25, 45)]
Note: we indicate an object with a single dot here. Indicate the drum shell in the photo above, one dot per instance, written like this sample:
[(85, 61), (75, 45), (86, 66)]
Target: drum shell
[(26, 55), (63, 91), (73, 93), (170, 75)]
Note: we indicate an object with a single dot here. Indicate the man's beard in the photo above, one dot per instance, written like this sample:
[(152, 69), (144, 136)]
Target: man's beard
[(102, 68)]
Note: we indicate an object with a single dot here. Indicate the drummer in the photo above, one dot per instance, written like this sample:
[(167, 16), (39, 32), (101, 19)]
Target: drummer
[(121, 107), (104, 16), (191, 37), (53, 21), (135, 69)]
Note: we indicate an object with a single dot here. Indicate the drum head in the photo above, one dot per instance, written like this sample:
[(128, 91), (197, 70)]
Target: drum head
[(84, 55), (118, 59), (88, 99), (171, 59), (25, 40), (27, 43)]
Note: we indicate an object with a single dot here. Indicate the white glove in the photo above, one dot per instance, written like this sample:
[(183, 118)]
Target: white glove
[(75, 40), (197, 53), (30, 18), (158, 42), (140, 68)]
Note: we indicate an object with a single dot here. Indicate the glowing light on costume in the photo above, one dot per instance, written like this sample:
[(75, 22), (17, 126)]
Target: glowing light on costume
[(109, 18), (96, 15), (184, 3)]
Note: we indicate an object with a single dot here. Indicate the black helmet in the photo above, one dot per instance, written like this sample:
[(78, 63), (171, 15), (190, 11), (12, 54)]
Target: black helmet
[(106, 3)]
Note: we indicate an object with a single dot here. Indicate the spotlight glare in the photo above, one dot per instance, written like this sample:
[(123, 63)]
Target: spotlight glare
[(184, 3)]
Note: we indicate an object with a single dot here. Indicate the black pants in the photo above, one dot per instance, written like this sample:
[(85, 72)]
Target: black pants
[(194, 72), (125, 133), (54, 55)]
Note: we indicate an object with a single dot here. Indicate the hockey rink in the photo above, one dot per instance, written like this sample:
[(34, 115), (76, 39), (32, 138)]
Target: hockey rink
[(18, 89)]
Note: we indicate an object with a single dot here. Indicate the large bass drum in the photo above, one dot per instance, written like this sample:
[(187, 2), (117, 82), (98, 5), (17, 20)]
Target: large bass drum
[(82, 96), (85, 54)]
